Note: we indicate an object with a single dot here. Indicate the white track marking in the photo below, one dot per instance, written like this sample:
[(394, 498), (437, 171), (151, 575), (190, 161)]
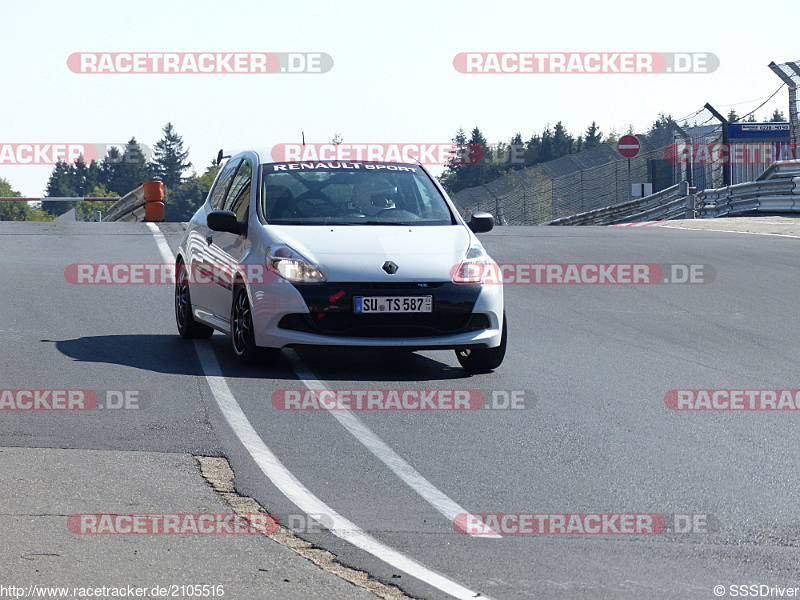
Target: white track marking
[(161, 242), (301, 496), (384, 453), (788, 235), (288, 484)]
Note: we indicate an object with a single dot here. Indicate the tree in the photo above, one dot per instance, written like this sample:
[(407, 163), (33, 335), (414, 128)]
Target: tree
[(451, 177), (85, 211), (110, 167), (732, 116), (479, 170), (660, 131), (132, 171), (562, 141), (516, 149), (70, 180), (11, 210), (169, 158), (777, 117), (593, 136), (546, 150), (533, 148), (183, 201)]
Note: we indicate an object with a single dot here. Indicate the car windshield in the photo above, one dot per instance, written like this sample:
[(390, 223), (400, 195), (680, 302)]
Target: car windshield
[(351, 194)]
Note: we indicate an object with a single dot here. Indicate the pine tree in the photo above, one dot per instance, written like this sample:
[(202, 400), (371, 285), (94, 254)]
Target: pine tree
[(516, 150), (593, 137), (476, 173), (109, 167), (132, 171), (451, 177), (170, 159), (777, 117), (533, 148), (660, 132), (546, 148), (562, 141)]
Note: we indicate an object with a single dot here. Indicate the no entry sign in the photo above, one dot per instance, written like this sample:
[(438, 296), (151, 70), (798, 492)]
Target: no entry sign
[(628, 146)]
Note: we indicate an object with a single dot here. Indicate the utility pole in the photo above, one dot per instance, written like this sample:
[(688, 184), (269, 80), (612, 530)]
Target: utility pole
[(688, 140), (794, 123), (726, 168)]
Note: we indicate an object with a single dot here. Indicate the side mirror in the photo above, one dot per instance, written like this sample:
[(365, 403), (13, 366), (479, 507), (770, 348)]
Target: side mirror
[(481, 222), (225, 220)]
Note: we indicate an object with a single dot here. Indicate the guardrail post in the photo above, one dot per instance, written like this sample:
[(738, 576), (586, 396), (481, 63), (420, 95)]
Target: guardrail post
[(685, 190)]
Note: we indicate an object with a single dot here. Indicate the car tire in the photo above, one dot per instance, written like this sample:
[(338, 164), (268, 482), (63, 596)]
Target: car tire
[(188, 328), (483, 360), (243, 333)]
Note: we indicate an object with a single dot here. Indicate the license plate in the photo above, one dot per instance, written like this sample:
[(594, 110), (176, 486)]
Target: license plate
[(393, 304)]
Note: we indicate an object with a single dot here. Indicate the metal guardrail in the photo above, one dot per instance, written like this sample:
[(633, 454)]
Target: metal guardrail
[(128, 208), (779, 195), (145, 203), (781, 168), (776, 190), (670, 203)]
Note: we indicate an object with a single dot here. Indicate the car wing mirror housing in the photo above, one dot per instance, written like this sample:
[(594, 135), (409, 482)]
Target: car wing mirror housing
[(481, 222), (225, 220)]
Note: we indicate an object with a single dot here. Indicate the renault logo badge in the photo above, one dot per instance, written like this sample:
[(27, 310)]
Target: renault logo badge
[(390, 267)]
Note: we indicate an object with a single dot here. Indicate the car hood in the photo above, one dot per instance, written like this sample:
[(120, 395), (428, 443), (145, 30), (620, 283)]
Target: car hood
[(357, 252)]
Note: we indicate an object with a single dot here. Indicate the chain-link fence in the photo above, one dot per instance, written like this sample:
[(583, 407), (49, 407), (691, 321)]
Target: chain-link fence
[(600, 177)]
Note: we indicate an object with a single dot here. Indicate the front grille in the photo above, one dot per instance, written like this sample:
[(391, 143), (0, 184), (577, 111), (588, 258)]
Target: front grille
[(342, 324), (330, 307)]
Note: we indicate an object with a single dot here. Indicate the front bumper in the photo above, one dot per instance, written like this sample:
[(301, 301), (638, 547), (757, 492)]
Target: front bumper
[(464, 316)]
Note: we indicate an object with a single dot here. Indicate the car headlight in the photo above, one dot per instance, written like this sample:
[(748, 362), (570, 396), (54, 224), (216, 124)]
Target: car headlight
[(292, 266), (474, 267)]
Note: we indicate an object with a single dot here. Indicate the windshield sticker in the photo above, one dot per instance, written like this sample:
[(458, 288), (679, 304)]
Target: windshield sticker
[(310, 166)]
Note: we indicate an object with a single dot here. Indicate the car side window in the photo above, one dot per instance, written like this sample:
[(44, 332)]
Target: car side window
[(238, 199), (217, 198)]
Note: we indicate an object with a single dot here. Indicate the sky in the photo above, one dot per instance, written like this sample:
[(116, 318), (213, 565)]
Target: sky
[(392, 79)]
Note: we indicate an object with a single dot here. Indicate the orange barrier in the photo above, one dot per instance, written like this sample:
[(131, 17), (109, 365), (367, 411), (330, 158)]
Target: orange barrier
[(154, 211), (154, 191)]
